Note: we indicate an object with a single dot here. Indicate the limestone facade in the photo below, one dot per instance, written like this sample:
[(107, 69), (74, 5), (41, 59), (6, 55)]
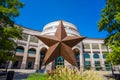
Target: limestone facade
[(31, 51)]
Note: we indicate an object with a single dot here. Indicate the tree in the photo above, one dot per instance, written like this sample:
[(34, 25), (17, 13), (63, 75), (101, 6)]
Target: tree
[(9, 9), (114, 55), (110, 22)]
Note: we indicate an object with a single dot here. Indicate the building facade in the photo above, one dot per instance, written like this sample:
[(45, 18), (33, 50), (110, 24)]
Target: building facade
[(31, 51)]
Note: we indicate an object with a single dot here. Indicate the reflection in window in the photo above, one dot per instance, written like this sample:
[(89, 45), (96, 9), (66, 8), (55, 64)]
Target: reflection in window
[(87, 65), (59, 61), (20, 49), (107, 66), (86, 55), (96, 56), (32, 51), (104, 56), (97, 65)]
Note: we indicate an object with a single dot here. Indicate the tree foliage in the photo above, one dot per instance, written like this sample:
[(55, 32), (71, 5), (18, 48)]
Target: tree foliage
[(9, 9), (114, 55), (110, 22)]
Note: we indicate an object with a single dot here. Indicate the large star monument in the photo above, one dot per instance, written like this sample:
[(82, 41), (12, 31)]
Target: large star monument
[(60, 45)]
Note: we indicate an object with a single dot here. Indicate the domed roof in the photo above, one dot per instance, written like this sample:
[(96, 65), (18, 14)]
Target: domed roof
[(56, 23), (50, 28)]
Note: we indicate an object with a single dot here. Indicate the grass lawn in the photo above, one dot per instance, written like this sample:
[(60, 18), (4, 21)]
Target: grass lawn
[(37, 76)]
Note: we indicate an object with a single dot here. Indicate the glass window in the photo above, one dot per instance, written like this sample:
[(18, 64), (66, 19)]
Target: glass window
[(97, 65), (32, 51), (15, 65), (96, 55), (42, 55), (77, 56), (87, 65), (24, 36), (95, 46), (20, 49), (104, 56), (103, 46), (59, 61), (86, 46), (29, 66), (86, 55), (107, 66), (34, 39)]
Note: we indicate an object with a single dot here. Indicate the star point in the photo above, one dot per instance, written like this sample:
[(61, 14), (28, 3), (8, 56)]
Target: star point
[(60, 45)]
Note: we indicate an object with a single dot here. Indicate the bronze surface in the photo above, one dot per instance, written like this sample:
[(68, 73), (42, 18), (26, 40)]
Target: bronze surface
[(60, 45)]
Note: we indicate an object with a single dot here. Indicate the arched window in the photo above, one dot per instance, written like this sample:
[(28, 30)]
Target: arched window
[(86, 55), (59, 61), (77, 56), (96, 56), (32, 51), (20, 49), (42, 55), (104, 56)]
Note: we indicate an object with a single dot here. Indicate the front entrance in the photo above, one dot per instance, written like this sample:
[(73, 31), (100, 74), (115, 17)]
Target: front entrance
[(59, 61)]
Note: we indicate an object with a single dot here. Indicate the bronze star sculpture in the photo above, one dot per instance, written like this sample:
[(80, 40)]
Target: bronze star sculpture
[(60, 45)]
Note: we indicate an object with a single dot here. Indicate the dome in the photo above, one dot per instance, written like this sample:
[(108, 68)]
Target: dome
[(50, 28)]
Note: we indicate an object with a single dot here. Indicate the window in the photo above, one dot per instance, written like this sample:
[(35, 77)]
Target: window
[(77, 56), (59, 61), (104, 56), (97, 65), (103, 46), (42, 55), (20, 49), (107, 66), (24, 36), (95, 46), (96, 56), (86, 46), (87, 65), (15, 65), (29, 65), (86, 55), (32, 51), (34, 39)]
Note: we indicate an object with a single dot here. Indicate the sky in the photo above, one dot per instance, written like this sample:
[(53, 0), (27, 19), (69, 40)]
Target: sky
[(85, 14)]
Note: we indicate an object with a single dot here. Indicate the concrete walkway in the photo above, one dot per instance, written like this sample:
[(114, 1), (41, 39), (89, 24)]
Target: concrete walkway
[(17, 76)]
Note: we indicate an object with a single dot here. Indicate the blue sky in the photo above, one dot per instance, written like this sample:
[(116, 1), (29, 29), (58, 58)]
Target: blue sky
[(85, 14)]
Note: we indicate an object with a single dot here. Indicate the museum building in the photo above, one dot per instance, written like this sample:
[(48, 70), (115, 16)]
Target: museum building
[(89, 53)]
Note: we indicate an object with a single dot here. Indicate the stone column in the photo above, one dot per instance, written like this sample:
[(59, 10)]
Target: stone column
[(101, 58), (37, 58), (91, 57), (81, 57), (23, 65)]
